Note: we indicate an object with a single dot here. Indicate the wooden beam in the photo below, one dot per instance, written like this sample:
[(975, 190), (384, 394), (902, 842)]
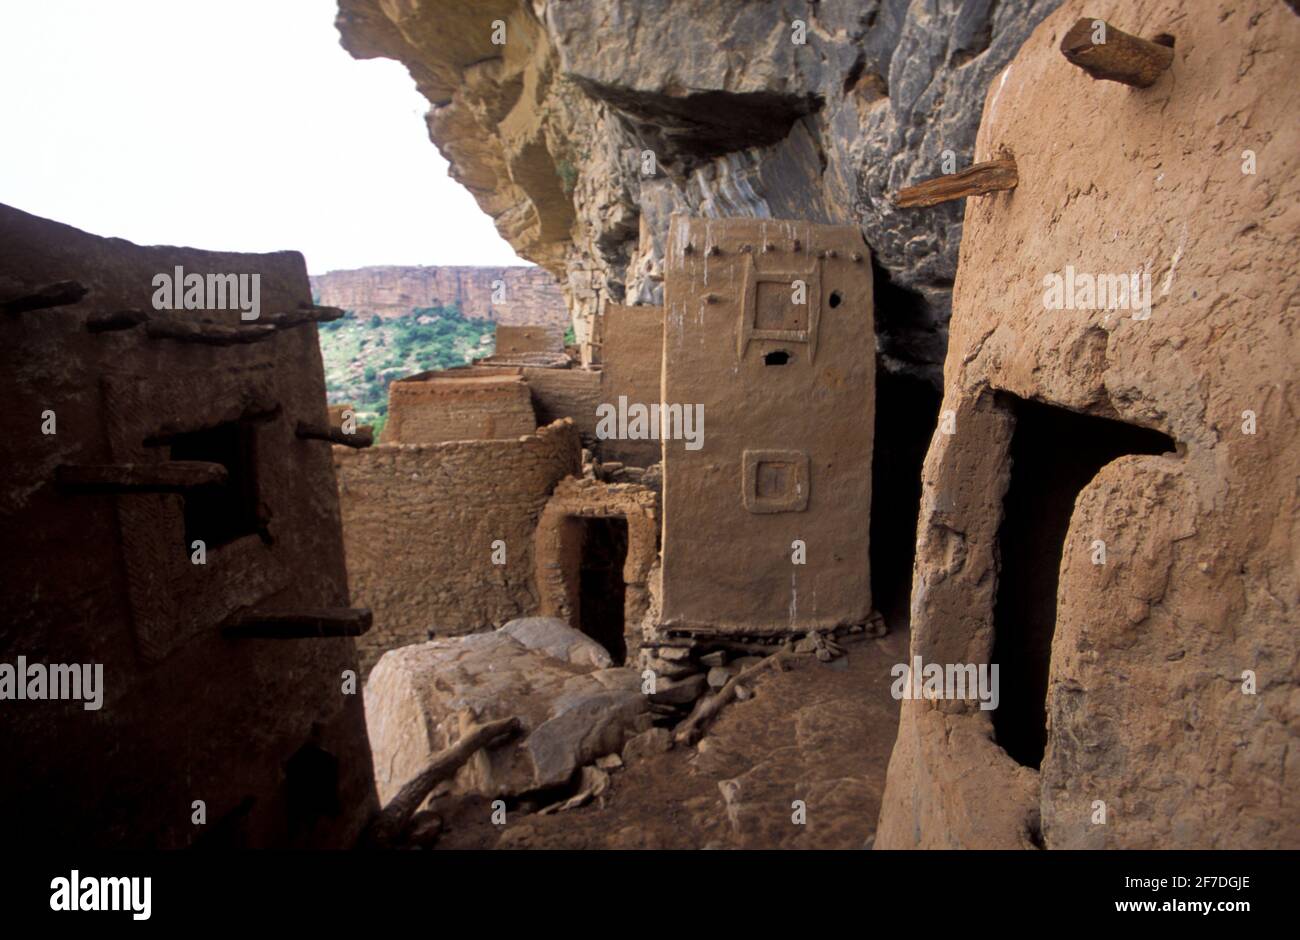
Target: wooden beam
[(59, 294), (386, 828), (173, 476), (363, 437), (121, 320), (978, 180), (299, 624), (308, 313), (689, 731), (208, 334), (1121, 57)]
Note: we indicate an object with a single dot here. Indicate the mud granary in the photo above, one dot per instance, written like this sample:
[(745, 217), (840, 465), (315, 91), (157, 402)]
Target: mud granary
[(172, 525)]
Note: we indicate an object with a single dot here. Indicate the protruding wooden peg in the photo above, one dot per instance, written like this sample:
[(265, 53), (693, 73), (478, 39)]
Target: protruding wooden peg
[(299, 624), (1112, 55), (208, 334), (307, 313), (362, 437), (59, 294), (121, 320), (978, 180), (173, 476)]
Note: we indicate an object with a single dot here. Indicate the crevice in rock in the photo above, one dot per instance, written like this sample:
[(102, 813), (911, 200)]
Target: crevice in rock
[(907, 410), (907, 335), (704, 124)]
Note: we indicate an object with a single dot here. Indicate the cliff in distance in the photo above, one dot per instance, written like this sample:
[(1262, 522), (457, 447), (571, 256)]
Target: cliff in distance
[(526, 295)]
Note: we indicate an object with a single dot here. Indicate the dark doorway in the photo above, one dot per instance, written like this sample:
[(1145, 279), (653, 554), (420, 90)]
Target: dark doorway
[(600, 584), (1054, 453), (311, 787), (221, 514), (907, 410)]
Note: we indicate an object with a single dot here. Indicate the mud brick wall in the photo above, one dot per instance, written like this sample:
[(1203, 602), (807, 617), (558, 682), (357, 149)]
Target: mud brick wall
[(419, 521), (438, 408), (566, 393), (107, 578), (532, 338), (632, 366)]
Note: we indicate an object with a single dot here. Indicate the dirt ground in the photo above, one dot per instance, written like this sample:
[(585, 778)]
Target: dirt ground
[(819, 733)]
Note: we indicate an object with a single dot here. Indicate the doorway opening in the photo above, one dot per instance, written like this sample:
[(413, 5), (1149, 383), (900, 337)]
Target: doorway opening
[(1054, 454), (601, 590)]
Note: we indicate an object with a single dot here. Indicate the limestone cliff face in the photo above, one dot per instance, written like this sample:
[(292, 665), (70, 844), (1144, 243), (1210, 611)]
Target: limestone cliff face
[(594, 120), (530, 295)]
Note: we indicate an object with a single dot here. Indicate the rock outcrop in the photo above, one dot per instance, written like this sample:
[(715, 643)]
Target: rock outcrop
[(528, 295), (1169, 701), (574, 708), (581, 126)]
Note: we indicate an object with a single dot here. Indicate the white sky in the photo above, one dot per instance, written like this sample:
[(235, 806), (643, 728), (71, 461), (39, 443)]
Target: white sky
[(236, 125)]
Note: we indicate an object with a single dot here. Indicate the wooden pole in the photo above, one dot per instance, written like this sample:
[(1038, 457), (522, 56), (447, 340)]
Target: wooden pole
[(58, 294), (173, 476), (121, 320), (1118, 56), (689, 731), (208, 334), (978, 180), (308, 313), (387, 827), (362, 437), (299, 624)]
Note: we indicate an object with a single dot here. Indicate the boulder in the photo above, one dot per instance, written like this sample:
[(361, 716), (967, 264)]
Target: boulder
[(556, 638), (420, 699)]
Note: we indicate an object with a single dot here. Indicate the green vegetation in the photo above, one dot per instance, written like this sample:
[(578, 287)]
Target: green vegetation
[(363, 356)]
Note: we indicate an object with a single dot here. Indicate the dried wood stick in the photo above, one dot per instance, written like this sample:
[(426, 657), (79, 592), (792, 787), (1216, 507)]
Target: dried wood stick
[(689, 731), (977, 180), (387, 827), (1119, 56)]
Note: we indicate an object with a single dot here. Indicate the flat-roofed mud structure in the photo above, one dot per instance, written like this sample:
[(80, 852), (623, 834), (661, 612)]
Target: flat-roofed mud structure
[(439, 536), (172, 520), (769, 349), (631, 369), (458, 405)]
